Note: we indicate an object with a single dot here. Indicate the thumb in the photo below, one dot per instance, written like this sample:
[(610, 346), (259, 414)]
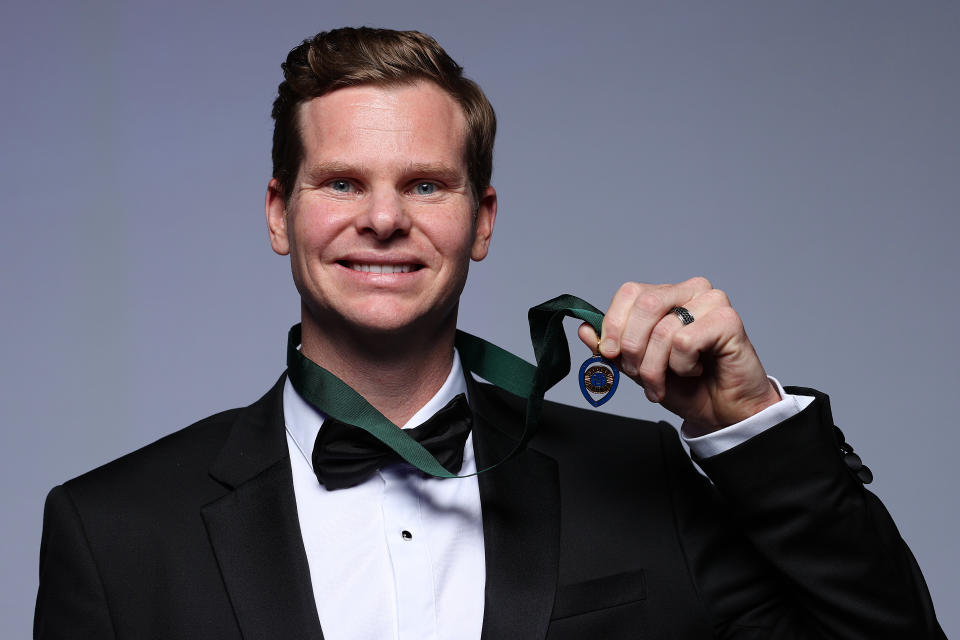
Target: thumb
[(588, 336)]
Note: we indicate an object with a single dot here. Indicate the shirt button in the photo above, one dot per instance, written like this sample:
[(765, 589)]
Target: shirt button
[(406, 535)]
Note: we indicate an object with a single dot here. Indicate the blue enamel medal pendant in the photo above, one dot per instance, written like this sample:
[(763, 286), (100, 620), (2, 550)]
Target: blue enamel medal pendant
[(598, 379)]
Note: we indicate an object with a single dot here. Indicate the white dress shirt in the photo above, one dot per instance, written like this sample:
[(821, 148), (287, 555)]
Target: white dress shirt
[(401, 555)]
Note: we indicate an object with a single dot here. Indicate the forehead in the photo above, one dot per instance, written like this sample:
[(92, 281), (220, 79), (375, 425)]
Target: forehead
[(420, 121)]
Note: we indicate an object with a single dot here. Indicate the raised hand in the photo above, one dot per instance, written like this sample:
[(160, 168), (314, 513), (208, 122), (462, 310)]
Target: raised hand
[(706, 372)]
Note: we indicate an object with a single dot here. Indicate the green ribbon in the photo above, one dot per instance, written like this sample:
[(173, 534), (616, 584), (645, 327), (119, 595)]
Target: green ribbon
[(498, 366)]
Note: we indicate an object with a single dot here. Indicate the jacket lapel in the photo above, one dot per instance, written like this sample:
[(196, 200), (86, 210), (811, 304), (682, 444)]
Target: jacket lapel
[(254, 529), (521, 523)]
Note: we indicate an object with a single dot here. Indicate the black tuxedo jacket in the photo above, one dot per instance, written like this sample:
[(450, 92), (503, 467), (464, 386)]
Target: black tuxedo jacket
[(601, 529)]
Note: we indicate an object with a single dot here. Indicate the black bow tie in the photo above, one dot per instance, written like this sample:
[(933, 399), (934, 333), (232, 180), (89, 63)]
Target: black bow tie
[(345, 455)]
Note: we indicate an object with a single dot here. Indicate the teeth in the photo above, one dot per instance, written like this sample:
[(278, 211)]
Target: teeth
[(381, 268)]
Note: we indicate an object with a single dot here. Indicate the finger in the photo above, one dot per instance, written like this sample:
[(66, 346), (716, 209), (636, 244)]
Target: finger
[(690, 342), (659, 354), (648, 308), (588, 336), (616, 317), (652, 370)]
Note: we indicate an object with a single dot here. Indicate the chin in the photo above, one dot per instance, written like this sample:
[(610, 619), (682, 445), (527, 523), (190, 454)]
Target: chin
[(392, 321), (383, 317)]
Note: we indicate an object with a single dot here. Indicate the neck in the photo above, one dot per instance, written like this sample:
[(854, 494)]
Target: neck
[(396, 373)]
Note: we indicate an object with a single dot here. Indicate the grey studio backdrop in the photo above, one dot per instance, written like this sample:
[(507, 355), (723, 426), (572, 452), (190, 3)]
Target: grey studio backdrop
[(802, 155)]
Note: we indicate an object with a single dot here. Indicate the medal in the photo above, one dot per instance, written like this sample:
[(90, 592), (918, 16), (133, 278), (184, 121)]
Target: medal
[(598, 379)]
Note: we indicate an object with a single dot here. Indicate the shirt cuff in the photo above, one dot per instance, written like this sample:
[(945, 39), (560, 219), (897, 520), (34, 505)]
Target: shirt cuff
[(727, 438)]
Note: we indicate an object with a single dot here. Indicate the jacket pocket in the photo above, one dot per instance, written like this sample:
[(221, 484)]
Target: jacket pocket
[(601, 593)]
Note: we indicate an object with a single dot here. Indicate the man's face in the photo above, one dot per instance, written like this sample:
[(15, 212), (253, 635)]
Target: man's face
[(381, 224)]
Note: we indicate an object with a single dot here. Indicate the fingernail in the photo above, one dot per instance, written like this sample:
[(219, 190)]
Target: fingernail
[(607, 345)]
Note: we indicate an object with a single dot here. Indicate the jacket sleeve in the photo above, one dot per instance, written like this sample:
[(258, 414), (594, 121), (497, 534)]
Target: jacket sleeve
[(789, 544), (70, 601)]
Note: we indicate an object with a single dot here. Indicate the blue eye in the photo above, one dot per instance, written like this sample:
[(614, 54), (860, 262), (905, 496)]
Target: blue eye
[(425, 188), (342, 186)]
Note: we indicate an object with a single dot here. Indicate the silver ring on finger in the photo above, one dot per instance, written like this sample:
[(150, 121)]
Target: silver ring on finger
[(685, 316)]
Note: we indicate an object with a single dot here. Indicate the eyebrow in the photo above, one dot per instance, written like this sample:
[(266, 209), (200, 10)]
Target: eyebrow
[(327, 168), (446, 172), (441, 171)]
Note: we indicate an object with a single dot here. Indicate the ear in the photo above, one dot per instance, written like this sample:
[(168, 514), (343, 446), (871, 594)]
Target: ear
[(276, 209), (483, 227)]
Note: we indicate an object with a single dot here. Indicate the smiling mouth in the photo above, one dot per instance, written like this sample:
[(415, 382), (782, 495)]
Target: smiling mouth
[(381, 268)]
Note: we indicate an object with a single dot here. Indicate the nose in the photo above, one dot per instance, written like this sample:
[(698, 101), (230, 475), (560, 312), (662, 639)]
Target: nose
[(385, 216)]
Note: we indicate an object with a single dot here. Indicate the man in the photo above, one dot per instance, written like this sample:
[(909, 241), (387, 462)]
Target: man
[(244, 525)]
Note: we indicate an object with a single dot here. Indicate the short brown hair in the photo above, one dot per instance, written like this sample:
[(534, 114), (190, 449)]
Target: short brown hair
[(355, 56)]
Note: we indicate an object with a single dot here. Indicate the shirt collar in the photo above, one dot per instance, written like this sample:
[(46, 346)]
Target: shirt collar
[(303, 420)]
